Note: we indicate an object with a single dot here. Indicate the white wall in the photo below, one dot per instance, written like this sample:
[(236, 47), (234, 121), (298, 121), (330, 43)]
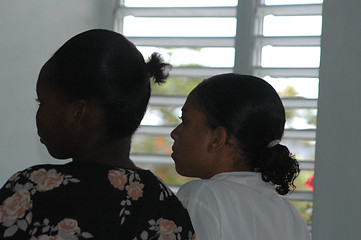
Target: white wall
[(337, 196), (30, 32)]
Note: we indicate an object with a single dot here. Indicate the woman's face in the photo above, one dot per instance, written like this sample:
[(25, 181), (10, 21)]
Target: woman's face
[(53, 120), (191, 142)]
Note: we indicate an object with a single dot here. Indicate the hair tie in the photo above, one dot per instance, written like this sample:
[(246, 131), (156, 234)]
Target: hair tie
[(273, 143)]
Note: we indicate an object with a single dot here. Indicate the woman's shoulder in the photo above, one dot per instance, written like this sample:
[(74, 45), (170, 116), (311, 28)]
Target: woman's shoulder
[(222, 184), (157, 184), (40, 166), (206, 184), (26, 173), (200, 196), (195, 184), (38, 178), (197, 188), (138, 174)]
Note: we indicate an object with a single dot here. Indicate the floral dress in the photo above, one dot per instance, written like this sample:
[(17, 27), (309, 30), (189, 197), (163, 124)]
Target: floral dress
[(89, 201)]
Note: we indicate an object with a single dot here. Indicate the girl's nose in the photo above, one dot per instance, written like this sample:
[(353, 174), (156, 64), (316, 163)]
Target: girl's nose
[(174, 133)]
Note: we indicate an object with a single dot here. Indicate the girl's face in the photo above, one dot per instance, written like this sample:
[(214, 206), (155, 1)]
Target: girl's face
[(53, 120), (191, 141)]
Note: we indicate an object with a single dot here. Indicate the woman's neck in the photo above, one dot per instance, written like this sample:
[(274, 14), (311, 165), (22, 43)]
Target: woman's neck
[(114, 153)]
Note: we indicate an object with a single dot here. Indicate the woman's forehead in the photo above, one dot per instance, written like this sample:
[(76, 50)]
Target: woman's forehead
[(189, 103)]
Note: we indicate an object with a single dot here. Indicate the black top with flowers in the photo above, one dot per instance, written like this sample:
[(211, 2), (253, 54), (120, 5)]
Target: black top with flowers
[(85, 201)]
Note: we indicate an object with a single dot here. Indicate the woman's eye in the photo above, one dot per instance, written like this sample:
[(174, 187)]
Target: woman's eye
[(182, 119), (37, 101)]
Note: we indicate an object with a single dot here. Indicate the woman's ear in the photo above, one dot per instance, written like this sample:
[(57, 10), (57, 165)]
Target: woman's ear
[(79, 110), (218, 140)]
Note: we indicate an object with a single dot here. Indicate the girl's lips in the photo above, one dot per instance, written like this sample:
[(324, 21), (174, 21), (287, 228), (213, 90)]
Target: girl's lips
[(41, 140)]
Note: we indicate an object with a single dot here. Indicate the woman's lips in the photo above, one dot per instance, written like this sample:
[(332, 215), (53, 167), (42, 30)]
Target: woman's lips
[(40, 138)]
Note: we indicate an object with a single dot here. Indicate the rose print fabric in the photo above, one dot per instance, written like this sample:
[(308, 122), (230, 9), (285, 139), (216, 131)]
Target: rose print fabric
[(85, 201)]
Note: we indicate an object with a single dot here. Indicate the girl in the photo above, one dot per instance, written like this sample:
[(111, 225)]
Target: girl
[(230, 137), (92, 94)]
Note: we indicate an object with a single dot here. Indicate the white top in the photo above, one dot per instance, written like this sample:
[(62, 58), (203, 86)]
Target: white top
[(241, 206)]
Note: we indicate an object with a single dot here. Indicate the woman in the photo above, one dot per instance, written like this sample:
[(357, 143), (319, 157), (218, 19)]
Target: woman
[(92, 94), (230, 138)]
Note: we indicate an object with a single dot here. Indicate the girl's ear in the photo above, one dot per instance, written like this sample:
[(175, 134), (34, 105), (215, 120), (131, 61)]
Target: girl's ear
[(79, 110), (218, 140)]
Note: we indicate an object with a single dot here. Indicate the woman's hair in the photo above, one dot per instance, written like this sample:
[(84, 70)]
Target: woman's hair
[(103, 66), (251, 111)]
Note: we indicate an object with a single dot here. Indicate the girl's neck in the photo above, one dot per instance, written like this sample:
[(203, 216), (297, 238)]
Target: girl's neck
[(114, 153)]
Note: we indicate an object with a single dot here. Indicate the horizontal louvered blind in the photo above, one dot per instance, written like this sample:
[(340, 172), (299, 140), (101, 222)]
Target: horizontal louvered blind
[(180, 34)]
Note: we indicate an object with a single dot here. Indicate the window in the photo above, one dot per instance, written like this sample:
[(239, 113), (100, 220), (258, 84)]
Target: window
[(199, 38), (287, 55)]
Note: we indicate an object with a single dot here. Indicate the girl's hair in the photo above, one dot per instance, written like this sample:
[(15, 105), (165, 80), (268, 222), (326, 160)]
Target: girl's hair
[(103, 66), (251, 111)]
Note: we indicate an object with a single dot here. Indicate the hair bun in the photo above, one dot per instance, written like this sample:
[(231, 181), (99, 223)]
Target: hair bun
[(157, 68), (278, 165)]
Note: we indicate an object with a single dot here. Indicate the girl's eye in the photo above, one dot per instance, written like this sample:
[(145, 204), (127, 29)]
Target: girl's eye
[(182, 119), (38, 101)]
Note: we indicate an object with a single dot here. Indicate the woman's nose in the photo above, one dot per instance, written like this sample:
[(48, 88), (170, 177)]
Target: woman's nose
[(173, 134)]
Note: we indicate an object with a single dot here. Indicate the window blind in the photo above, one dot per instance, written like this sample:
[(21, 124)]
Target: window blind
[(274, 32)]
